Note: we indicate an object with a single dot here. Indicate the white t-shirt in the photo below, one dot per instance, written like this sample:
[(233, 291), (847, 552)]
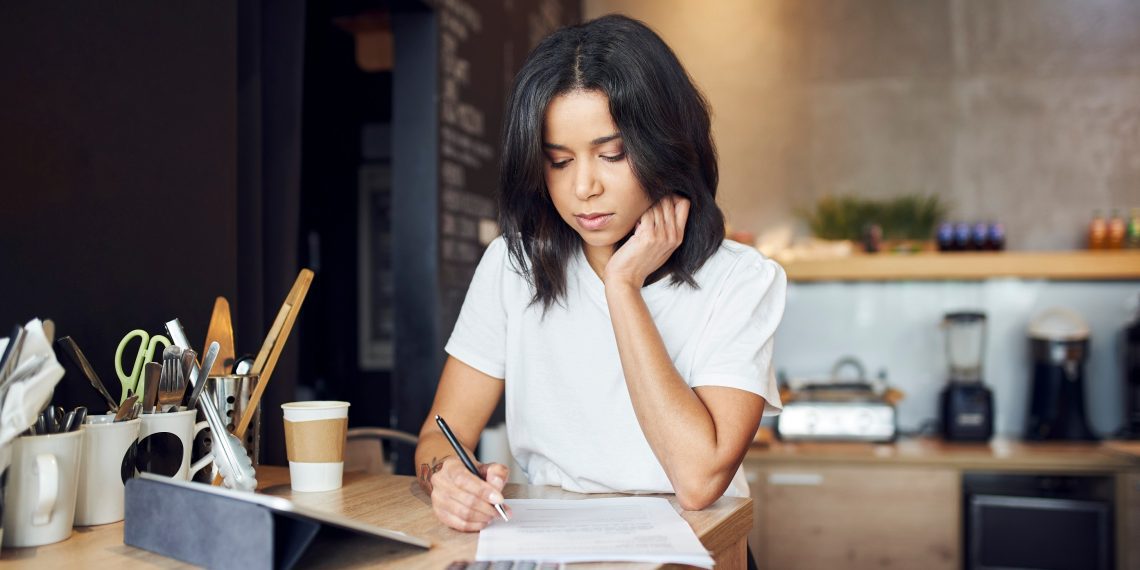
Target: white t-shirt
[(570, 420)]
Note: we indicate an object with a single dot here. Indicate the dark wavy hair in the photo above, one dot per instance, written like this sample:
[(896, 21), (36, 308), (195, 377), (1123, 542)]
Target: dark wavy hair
[(664, 123)]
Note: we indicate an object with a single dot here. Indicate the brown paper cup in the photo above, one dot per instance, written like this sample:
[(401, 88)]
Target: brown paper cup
[(314, 442)]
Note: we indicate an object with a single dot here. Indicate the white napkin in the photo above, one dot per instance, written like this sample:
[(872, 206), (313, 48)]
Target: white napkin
[(25, 399)]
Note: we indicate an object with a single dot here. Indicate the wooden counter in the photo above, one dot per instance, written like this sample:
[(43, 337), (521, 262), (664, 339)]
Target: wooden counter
[(394, 502), (1128, 448), (1001, 454)]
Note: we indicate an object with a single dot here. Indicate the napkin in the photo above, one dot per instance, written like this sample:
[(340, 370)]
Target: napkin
[(25, 399)]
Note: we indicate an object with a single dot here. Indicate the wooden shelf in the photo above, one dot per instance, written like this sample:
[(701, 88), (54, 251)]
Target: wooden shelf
[(1059, 265)]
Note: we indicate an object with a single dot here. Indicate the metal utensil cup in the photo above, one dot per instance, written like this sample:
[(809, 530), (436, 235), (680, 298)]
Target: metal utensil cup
[(231, 394)]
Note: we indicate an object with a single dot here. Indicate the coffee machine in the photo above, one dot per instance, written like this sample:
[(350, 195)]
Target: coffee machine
[(1059, 345), (967, 405), (1132, 379)]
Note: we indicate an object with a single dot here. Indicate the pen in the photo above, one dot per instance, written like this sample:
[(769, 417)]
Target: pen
[(463, 456)]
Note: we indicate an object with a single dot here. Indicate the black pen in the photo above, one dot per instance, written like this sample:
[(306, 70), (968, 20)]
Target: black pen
[(463, 456)]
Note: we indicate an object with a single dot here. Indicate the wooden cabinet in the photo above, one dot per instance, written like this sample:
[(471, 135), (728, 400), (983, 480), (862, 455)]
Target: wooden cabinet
[(815, 516), (1128, 533), (899, 505)]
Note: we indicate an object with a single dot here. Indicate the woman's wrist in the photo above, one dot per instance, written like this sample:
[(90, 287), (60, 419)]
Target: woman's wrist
[(427, 470), (622, 283)]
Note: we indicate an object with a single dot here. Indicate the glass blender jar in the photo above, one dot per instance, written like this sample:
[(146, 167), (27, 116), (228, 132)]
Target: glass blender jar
[(965, 334), (966, 403)]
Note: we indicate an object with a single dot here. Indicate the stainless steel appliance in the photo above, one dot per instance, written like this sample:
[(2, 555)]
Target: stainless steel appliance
[(967, 405), (833, 409), (1038, 521), (1059, 345)]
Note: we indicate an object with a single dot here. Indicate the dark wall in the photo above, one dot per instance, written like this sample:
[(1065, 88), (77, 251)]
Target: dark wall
[(149, 162), (118, 170)]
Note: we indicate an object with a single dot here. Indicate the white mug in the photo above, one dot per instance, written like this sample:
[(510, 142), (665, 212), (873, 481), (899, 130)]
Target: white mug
[(39, 503), (165, 440), (108, 461)]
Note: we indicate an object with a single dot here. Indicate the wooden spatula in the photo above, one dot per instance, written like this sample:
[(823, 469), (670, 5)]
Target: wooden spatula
[(271, 349), (221, 331)]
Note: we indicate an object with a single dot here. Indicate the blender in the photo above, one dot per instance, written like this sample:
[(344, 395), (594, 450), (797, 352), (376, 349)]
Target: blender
[(967, 405)]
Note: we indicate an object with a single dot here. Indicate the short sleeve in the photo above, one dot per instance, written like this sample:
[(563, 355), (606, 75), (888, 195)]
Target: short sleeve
[(479, 338), (736, 348)]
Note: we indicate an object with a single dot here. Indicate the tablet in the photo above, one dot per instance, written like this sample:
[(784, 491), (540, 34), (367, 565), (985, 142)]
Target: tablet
[(289, 508)]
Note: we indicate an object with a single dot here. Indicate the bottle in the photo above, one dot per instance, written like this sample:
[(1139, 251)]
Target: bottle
[(1132, 239), (997, 236), (979, 237), (1116, 231), (945, 236), (962, 237), (1098, 231)]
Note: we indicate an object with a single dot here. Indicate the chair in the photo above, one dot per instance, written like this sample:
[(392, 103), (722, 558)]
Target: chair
[(366, 446)]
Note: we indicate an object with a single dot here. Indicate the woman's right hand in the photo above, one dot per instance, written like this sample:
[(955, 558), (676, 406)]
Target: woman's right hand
[(463, 501)]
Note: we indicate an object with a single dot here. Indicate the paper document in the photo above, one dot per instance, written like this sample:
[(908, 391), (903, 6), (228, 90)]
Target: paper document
[(625, 529)]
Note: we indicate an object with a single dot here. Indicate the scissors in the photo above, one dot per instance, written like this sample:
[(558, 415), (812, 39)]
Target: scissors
[(147, 345)]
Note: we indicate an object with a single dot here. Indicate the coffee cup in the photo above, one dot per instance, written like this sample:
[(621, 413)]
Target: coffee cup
[(314, 442), (39, 499), (109, 456), (165, 440)]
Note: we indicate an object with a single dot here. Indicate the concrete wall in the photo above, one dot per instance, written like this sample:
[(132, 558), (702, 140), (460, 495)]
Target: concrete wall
[(1022, 111)]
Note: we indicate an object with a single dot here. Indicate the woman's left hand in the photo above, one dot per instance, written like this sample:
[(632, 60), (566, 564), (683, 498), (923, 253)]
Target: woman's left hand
[(657, 235)]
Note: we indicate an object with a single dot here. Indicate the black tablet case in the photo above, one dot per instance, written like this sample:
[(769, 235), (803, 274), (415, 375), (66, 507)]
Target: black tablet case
[(211, 530)]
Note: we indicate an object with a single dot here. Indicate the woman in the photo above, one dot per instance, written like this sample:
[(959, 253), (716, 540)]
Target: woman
[(632, 342)]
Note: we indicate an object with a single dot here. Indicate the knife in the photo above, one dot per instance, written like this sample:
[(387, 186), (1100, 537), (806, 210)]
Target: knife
[(153, 374), (12, 352), (199, 380), (76, 355)]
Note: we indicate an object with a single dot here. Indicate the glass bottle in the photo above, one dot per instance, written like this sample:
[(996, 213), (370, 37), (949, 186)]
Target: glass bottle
[(997, 236), (1117, 228), (1098, 231), (1132, 240)]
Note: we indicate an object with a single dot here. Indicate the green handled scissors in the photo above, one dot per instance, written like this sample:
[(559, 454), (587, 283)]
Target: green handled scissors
[(147, 345)]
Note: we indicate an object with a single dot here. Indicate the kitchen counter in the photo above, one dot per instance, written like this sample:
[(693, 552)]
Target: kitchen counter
[(1002, 454), (863, 505), (1129, 448)]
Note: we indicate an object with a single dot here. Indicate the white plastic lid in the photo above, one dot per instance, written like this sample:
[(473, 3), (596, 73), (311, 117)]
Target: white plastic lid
[(1059, 324), (315, 410)]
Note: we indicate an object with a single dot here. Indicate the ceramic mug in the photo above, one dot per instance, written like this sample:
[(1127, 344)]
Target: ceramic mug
[(109, 455), (165, 440), (5, 462), (39, 502)]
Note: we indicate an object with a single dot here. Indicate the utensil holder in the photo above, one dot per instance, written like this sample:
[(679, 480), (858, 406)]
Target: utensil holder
[(231, 394)]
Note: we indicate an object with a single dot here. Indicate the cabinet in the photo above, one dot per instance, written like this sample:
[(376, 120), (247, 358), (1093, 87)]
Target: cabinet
[(899, 505), (1128, 531), (816, 516)]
